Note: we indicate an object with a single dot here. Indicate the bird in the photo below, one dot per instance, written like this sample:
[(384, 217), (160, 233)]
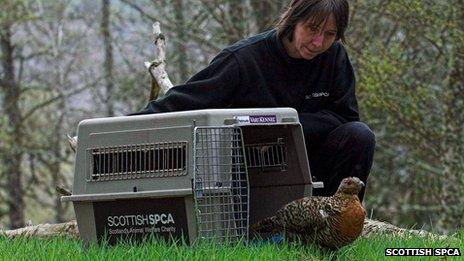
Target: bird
[(330, 222)]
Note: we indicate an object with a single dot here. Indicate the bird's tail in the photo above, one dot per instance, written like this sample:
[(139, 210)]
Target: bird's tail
[(266, 225)]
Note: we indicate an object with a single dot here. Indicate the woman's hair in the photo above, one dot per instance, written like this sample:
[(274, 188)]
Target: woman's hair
[(318, 10)]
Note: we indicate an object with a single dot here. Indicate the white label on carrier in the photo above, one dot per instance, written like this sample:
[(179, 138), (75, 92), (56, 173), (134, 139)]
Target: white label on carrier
[(242, 119), (256, 119)]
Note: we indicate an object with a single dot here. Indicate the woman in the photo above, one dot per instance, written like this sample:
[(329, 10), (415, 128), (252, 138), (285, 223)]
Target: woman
[(301, 64)]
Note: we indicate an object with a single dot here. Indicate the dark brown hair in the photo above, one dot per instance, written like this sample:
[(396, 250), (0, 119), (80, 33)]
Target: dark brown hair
[(319, 10)]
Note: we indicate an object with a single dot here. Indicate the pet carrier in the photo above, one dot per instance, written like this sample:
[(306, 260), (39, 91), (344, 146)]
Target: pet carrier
[(205, 174)]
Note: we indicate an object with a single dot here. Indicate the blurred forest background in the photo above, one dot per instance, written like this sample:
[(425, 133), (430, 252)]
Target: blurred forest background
[(65, 61)]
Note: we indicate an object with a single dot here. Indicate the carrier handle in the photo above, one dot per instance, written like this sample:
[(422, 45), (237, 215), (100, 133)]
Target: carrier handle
[(129, 195)]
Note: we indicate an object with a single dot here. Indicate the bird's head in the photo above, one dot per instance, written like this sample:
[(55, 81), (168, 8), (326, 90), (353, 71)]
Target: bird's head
[(351, 185)]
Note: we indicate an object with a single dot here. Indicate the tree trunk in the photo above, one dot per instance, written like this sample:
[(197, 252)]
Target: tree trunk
[(237, 13), (180, 43), (108, 62), (453, 152), (55, 167), (13, 158), (55, 162), (452, 198), (265, 14)]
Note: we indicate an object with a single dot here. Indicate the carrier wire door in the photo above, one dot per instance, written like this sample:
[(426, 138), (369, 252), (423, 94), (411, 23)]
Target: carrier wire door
[(221, 188)]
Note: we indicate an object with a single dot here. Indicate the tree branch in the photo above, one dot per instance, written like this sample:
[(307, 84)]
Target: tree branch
[(157, 67), (192, 35), (31, 111)]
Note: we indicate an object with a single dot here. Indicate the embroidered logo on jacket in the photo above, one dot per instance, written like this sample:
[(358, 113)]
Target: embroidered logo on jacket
[(316, 94)]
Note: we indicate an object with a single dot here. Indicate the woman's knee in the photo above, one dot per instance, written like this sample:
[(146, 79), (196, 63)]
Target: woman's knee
[(357, 133), (362, 132)]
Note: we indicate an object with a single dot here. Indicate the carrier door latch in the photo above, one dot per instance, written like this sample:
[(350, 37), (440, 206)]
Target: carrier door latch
[(318, 184), (230, 121)]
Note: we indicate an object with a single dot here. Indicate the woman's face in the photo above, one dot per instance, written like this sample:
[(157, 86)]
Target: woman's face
[(310, 39)]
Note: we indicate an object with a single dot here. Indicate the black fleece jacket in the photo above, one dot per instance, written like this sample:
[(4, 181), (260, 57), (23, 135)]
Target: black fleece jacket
[(257, 72)]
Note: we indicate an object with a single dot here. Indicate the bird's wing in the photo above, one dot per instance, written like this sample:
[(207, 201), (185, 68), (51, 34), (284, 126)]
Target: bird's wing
[(290, 217), (308, 214)]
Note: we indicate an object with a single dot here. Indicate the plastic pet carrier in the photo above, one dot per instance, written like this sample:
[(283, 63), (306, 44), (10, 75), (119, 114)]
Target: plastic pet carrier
[(205, 174)]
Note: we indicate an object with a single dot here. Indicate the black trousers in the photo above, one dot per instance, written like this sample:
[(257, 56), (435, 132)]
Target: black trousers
[(347, 151)]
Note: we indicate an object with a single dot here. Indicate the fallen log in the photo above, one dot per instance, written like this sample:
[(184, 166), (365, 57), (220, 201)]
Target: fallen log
[(67, 229), (375, 227), (70, 230)]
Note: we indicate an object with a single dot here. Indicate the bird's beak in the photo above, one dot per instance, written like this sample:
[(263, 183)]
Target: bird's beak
[(362, 184)]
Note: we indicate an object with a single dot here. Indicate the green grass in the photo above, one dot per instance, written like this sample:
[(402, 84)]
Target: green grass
[(362, 249)]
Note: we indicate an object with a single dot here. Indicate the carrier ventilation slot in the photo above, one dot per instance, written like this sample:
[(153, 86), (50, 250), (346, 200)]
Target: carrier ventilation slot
[(138, 161), (267, 155)]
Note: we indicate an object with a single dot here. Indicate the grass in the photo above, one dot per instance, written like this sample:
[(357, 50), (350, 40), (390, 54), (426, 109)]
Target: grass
[(363, 249)]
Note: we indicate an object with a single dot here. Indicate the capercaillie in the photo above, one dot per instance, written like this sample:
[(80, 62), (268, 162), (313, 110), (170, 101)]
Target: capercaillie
[(330, 222)]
